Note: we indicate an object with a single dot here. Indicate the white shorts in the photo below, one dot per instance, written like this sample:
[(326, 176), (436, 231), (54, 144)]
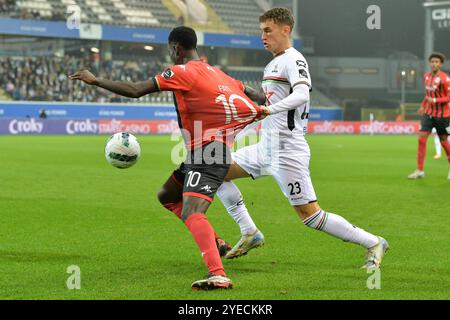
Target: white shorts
[(289, 167)]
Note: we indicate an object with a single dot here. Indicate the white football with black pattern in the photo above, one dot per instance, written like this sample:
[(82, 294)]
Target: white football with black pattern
[(122, 150)]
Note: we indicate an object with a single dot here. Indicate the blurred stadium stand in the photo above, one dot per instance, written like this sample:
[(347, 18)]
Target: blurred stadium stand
[(197, 14), (241, 15), (384, 85), (36, 69), (138, 13), (45, 79), (232, 16)]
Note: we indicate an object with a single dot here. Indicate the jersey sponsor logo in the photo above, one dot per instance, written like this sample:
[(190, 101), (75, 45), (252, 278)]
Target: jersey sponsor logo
[(300, 63), (303, 73), (168, 74)]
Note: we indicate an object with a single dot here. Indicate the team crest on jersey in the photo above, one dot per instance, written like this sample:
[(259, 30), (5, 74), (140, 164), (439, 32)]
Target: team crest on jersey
[(437, 80), (275, 69), (168, 74)]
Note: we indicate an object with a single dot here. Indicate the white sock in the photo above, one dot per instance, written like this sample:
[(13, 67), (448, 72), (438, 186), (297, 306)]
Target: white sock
[(232, 200), (437, 145), (340, 228)]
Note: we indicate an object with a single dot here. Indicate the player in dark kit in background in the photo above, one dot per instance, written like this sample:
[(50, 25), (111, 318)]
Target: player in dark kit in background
[(211, 106), (435, 111)]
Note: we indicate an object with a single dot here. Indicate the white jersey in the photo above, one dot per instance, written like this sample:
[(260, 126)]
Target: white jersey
[(283, 151), (285, 71)]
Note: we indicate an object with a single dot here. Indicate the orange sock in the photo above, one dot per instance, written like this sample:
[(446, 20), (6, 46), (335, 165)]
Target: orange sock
[(421, 150), (203, 234), (446, 145)]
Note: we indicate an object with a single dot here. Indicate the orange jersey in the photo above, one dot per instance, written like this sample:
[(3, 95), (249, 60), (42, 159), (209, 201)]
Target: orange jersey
[(437, 87), (210, 105)]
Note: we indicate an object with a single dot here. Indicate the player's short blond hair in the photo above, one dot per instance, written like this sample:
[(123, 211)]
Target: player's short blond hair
[(280, 16)]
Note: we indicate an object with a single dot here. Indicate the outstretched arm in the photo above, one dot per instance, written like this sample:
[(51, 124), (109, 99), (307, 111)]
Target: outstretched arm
[(126, 89)]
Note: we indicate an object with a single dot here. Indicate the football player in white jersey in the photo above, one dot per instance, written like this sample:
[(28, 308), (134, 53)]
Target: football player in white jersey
[(283, 151)]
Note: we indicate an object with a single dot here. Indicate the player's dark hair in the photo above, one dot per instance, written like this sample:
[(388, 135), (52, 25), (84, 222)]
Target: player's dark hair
[(279, 16), (438, 55), (184, 36)]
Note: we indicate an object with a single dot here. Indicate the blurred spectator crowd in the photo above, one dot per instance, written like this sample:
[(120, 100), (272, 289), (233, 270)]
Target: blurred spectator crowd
[(46, 79), (9, 8), (7, 5)]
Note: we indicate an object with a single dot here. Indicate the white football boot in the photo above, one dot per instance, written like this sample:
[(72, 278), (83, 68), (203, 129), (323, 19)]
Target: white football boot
[(245, 244), (417, 174), (375, 254)]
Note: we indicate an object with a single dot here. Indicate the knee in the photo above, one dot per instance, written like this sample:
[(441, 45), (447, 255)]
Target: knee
[(163, 196), (307, 210), (185, 216), (193, 205), (187, 211)]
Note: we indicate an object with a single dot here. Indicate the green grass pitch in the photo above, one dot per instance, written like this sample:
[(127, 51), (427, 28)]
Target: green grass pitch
[(61, 204)]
